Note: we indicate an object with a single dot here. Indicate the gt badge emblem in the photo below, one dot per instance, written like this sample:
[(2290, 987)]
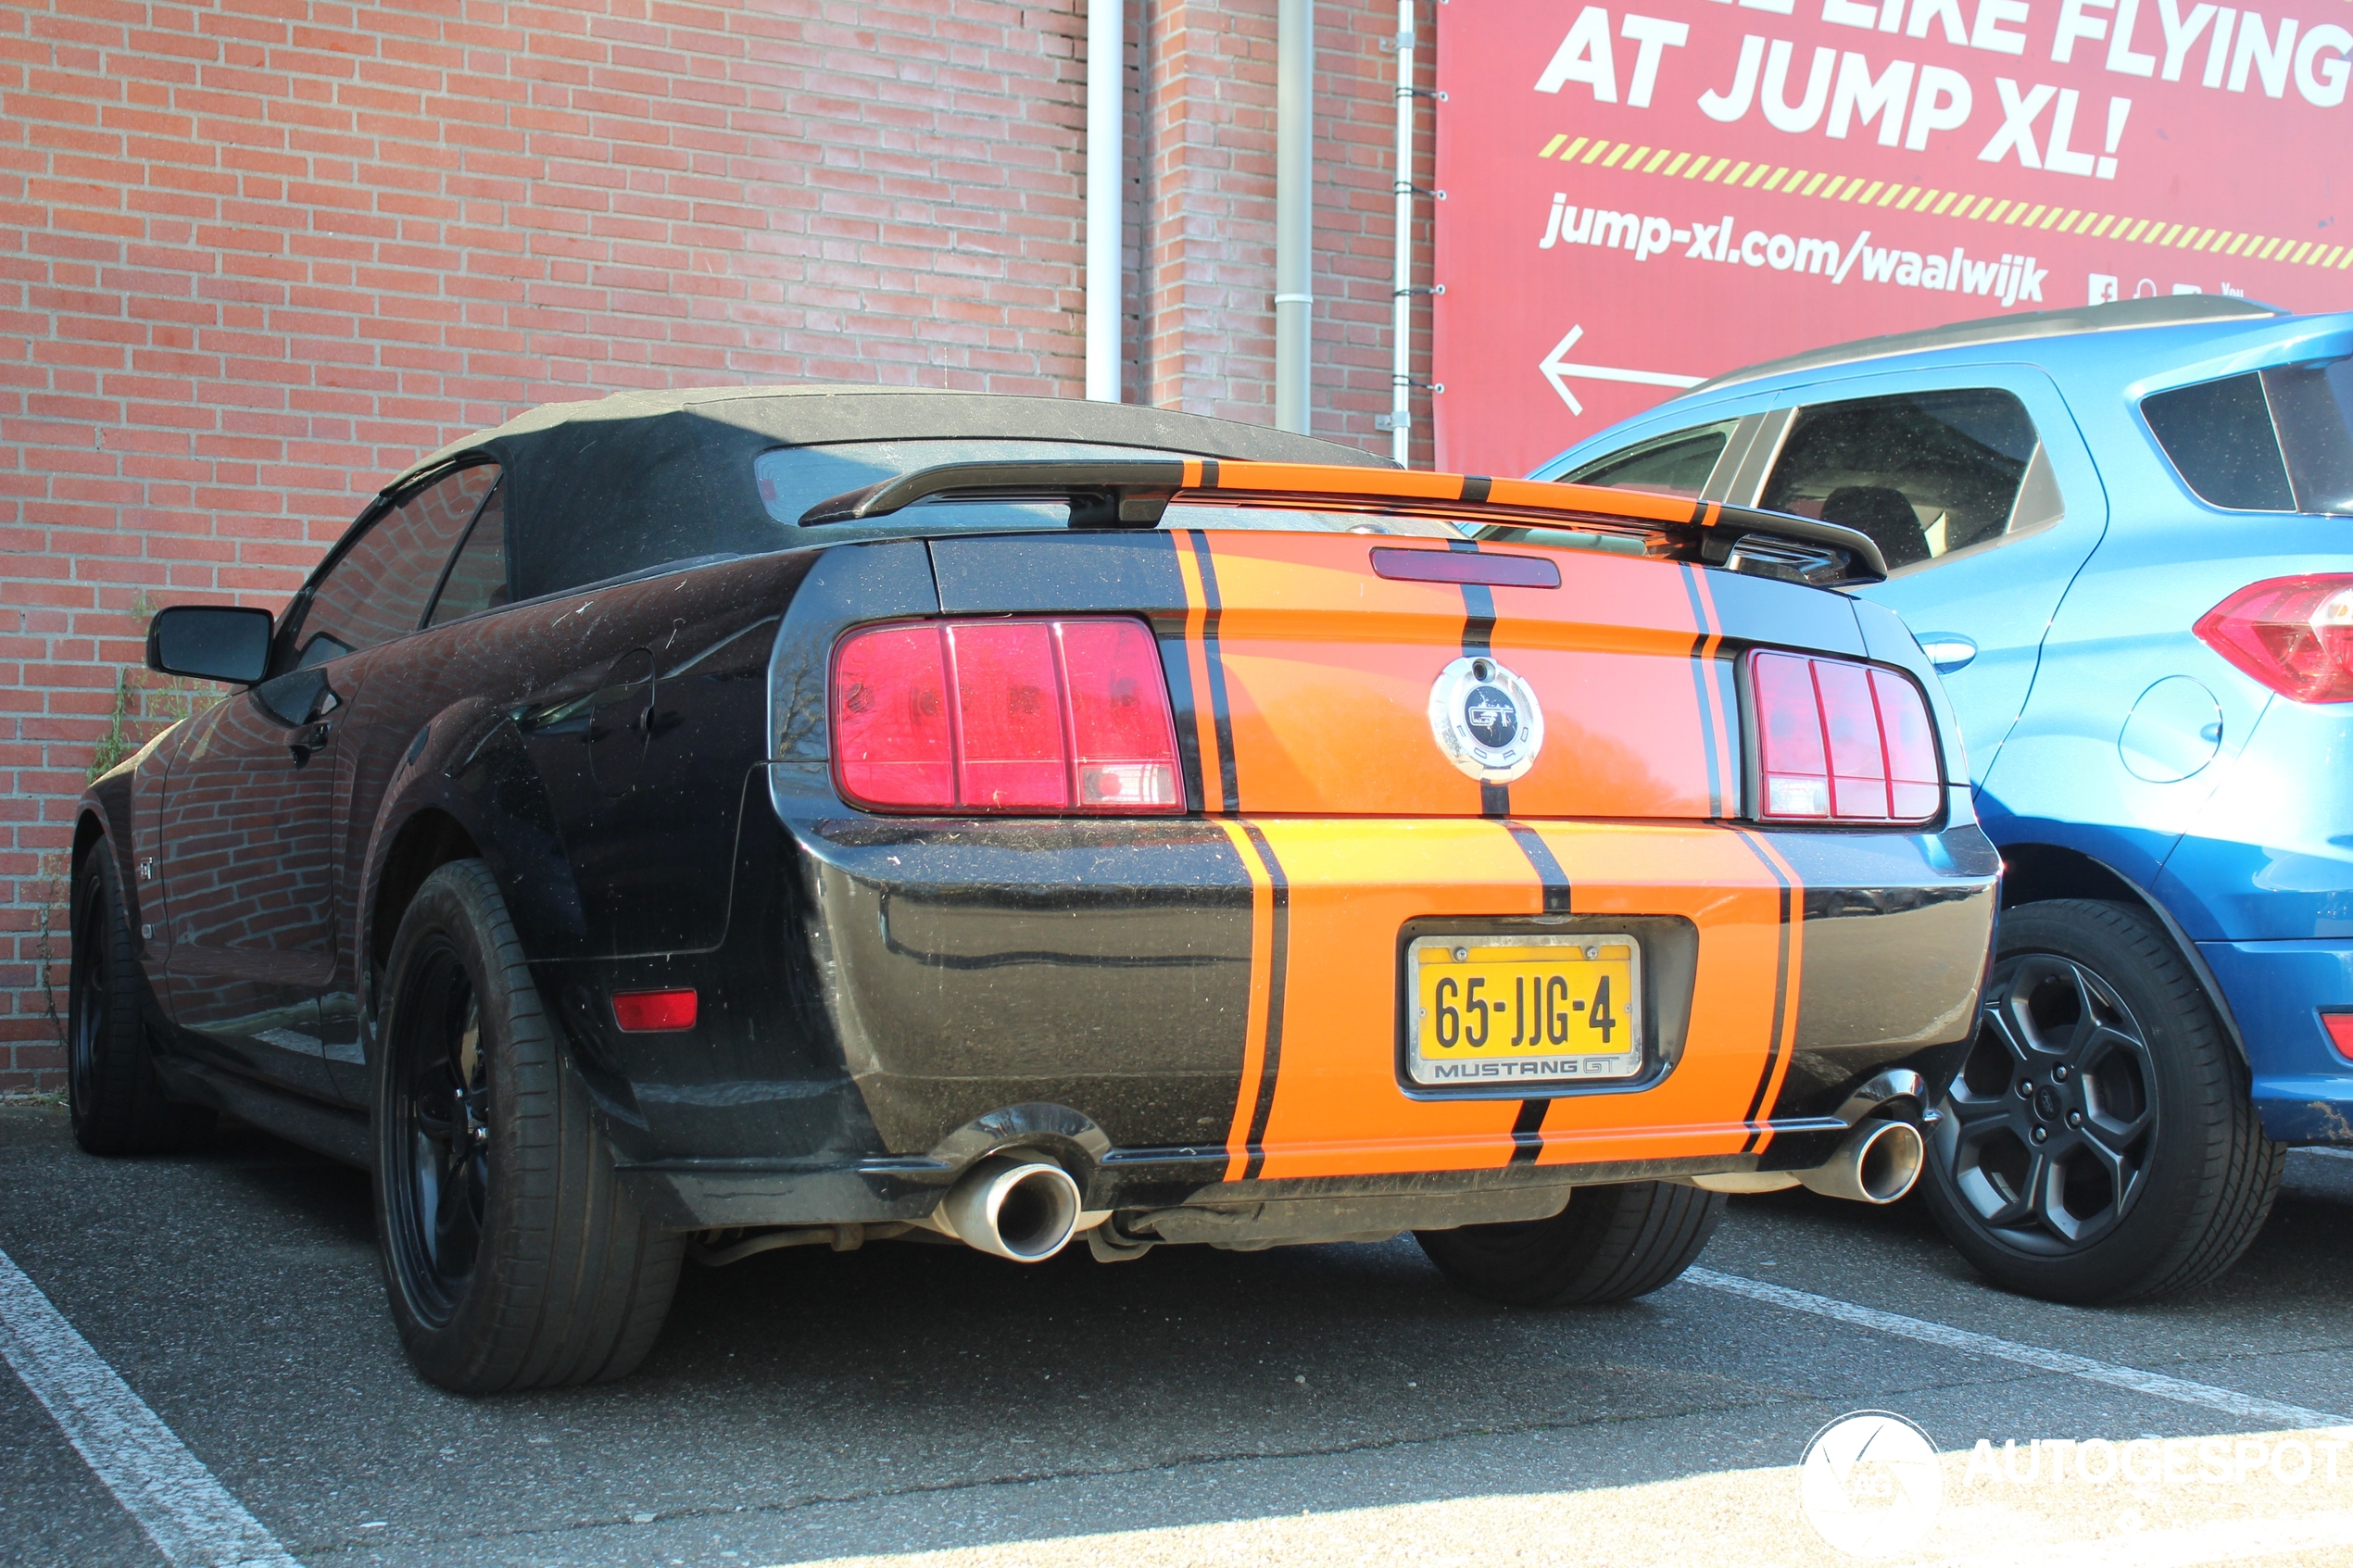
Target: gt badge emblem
[(1487, 719)]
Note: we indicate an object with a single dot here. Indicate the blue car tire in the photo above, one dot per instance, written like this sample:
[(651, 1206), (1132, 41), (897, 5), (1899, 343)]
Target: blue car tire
[(2098, 1143), (513, 1256)]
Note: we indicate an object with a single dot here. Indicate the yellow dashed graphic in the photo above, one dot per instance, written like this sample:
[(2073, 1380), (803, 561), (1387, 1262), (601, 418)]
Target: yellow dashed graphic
[(2061, 220)]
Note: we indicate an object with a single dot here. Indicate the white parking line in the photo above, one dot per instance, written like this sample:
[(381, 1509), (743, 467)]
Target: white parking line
[(2331, 1153), (190, 1515), (2156, 1384)]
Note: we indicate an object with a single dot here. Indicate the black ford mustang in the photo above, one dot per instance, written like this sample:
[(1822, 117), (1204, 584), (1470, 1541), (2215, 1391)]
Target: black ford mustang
[(715, 822)]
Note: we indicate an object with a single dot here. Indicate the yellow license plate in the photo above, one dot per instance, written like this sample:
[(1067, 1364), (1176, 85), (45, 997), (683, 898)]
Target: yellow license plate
[(1493, 1011)]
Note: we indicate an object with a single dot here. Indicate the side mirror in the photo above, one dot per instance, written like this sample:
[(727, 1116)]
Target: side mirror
[(210, 642)]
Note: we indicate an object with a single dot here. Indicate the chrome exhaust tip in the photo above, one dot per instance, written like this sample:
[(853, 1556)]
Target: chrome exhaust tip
[(1022, 1209), (1877, 1163)]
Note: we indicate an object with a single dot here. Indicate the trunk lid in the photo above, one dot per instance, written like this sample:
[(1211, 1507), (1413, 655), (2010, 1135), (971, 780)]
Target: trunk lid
[(1302, 671)]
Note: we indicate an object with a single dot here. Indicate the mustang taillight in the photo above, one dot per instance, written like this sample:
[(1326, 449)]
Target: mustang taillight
[(1004, 716), (2293, 633), (1841, 742)]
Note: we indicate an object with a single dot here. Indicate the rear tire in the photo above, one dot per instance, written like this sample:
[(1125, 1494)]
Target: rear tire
[(1610, 1244), (117, 1100), (513, 1256), (2099, 1143)]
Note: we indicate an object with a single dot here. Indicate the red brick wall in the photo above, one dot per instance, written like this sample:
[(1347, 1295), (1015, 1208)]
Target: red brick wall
[(256, 255)]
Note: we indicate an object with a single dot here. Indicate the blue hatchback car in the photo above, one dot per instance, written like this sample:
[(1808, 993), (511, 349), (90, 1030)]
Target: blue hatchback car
[(2124, 533)]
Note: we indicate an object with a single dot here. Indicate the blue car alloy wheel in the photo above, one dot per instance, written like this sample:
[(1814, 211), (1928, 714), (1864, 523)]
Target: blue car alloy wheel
[(2053, 1121), (2097, 1143)]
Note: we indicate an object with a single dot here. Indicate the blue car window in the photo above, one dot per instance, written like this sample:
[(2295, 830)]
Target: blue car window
[(2219, 435), (1926, 474), (2312, 410), (1671, 465)]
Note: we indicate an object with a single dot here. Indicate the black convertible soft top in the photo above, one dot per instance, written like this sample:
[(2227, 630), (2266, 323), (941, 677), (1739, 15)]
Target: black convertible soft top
[(594, 489)]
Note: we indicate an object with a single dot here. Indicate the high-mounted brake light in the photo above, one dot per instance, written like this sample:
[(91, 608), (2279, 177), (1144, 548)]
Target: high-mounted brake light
[(1005, 717), (2293, 633), (1839, 742)]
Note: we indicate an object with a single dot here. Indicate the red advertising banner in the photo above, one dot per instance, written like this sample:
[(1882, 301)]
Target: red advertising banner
[(1639, 197)]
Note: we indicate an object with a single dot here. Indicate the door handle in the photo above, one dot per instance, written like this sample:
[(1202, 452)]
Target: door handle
[(309, 738)]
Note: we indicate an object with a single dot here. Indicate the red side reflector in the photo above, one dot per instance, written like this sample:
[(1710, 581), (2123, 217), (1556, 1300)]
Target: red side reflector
[(2293, 633), (649, 1012), (2340, 1028), (1842, 742), (1032, 717), (1462, 566)]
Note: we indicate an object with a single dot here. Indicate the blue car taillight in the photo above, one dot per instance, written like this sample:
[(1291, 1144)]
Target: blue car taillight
[(2293, 633)]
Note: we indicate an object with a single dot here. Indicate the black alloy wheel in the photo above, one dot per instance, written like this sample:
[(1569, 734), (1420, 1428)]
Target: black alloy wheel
[(2098, 1143), (440, 1177), (514, 1256), (2052, 1122), (116, 1099)]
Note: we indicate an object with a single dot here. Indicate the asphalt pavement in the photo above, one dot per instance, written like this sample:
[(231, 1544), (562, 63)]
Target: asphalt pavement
[(1303, 1405)]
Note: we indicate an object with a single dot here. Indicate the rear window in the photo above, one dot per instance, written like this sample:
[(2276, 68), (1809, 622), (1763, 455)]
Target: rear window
[(2268, 441), (793, 479)]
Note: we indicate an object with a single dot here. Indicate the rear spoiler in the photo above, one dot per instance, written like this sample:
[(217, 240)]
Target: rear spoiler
[(1120, 493)]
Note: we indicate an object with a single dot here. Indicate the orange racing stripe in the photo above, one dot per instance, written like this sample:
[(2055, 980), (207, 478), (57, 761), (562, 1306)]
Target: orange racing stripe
[(1269, 963), (1791, 965)]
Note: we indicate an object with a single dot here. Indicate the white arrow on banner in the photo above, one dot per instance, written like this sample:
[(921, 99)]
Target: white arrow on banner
[(1559, 373)]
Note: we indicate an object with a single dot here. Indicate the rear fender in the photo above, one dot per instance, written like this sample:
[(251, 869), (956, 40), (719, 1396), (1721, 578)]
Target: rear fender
[(2035, 871)]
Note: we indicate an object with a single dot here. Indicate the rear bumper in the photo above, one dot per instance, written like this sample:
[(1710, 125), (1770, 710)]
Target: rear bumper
[(1213, 1004), (2302, 1086), (1208, 991)]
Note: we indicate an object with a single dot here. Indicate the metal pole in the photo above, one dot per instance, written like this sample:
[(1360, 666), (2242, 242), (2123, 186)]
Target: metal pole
[(1294, 209), (1401, 373), (1105, 103)]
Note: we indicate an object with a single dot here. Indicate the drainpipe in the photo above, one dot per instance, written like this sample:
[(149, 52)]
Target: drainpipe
[(1294, 208), (1104, 157), (1400, 376)]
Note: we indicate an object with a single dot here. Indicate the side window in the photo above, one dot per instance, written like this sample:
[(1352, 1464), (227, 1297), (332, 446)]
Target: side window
[(477, 579), (2267, 441), (1928, 475), (1666, 465), (378, 590)]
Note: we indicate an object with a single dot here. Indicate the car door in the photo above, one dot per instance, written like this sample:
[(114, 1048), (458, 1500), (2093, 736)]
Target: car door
[(1981, 493), (252, 804)]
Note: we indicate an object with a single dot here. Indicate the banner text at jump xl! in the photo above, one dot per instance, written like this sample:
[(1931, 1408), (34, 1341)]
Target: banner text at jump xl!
[(1639, 196)]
